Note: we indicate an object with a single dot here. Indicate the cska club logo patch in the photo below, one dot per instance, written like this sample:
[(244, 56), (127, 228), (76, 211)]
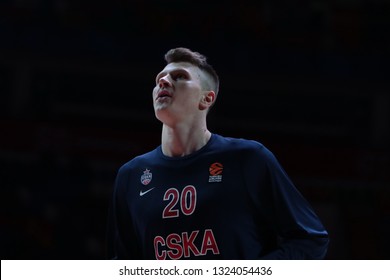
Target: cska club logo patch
[(215, 172), (146, 178)]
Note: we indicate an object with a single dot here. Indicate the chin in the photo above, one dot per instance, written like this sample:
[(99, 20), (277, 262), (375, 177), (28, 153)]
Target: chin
[(162, 114)]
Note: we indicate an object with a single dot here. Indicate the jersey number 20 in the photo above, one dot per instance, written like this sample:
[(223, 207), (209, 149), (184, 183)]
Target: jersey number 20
[(187, 199)]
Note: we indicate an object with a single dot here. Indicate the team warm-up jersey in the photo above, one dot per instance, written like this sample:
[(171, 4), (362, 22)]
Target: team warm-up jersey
[(229, 200)]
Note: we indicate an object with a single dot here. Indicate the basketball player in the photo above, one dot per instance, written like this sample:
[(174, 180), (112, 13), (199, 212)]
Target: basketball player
[(200, 195)]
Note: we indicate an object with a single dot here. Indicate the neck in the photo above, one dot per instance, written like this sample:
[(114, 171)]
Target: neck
[(183, 140)]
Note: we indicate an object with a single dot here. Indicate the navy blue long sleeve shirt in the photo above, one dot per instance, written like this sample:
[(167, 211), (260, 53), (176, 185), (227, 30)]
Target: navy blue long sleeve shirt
[(229, 200)]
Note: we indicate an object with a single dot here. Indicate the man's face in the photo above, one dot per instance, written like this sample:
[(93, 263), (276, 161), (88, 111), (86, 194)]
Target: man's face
[(178, 92)]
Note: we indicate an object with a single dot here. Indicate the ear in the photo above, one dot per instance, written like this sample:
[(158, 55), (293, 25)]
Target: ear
[(207, 100)]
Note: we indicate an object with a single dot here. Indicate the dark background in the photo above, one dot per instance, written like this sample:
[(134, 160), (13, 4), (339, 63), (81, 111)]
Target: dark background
[(309, 79)]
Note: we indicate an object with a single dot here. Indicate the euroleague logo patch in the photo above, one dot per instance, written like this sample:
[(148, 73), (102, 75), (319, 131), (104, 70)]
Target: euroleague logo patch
[(215, 170), (146, 177)]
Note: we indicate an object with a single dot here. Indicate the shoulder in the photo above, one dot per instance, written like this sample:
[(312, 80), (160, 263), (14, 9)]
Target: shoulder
[(139, 160), (240, 144), (247, 150)]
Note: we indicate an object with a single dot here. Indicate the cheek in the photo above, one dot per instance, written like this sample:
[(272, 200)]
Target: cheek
[(154, 91), (191, 90), (191, 101)]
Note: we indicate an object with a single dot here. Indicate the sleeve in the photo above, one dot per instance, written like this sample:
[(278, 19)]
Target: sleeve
[(121, 240), (299, 231)]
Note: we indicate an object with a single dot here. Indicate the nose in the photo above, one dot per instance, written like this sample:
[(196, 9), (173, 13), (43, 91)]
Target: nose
[(164, 81)]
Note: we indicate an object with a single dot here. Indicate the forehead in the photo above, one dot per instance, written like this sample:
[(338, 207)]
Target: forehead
[(184, 66)]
